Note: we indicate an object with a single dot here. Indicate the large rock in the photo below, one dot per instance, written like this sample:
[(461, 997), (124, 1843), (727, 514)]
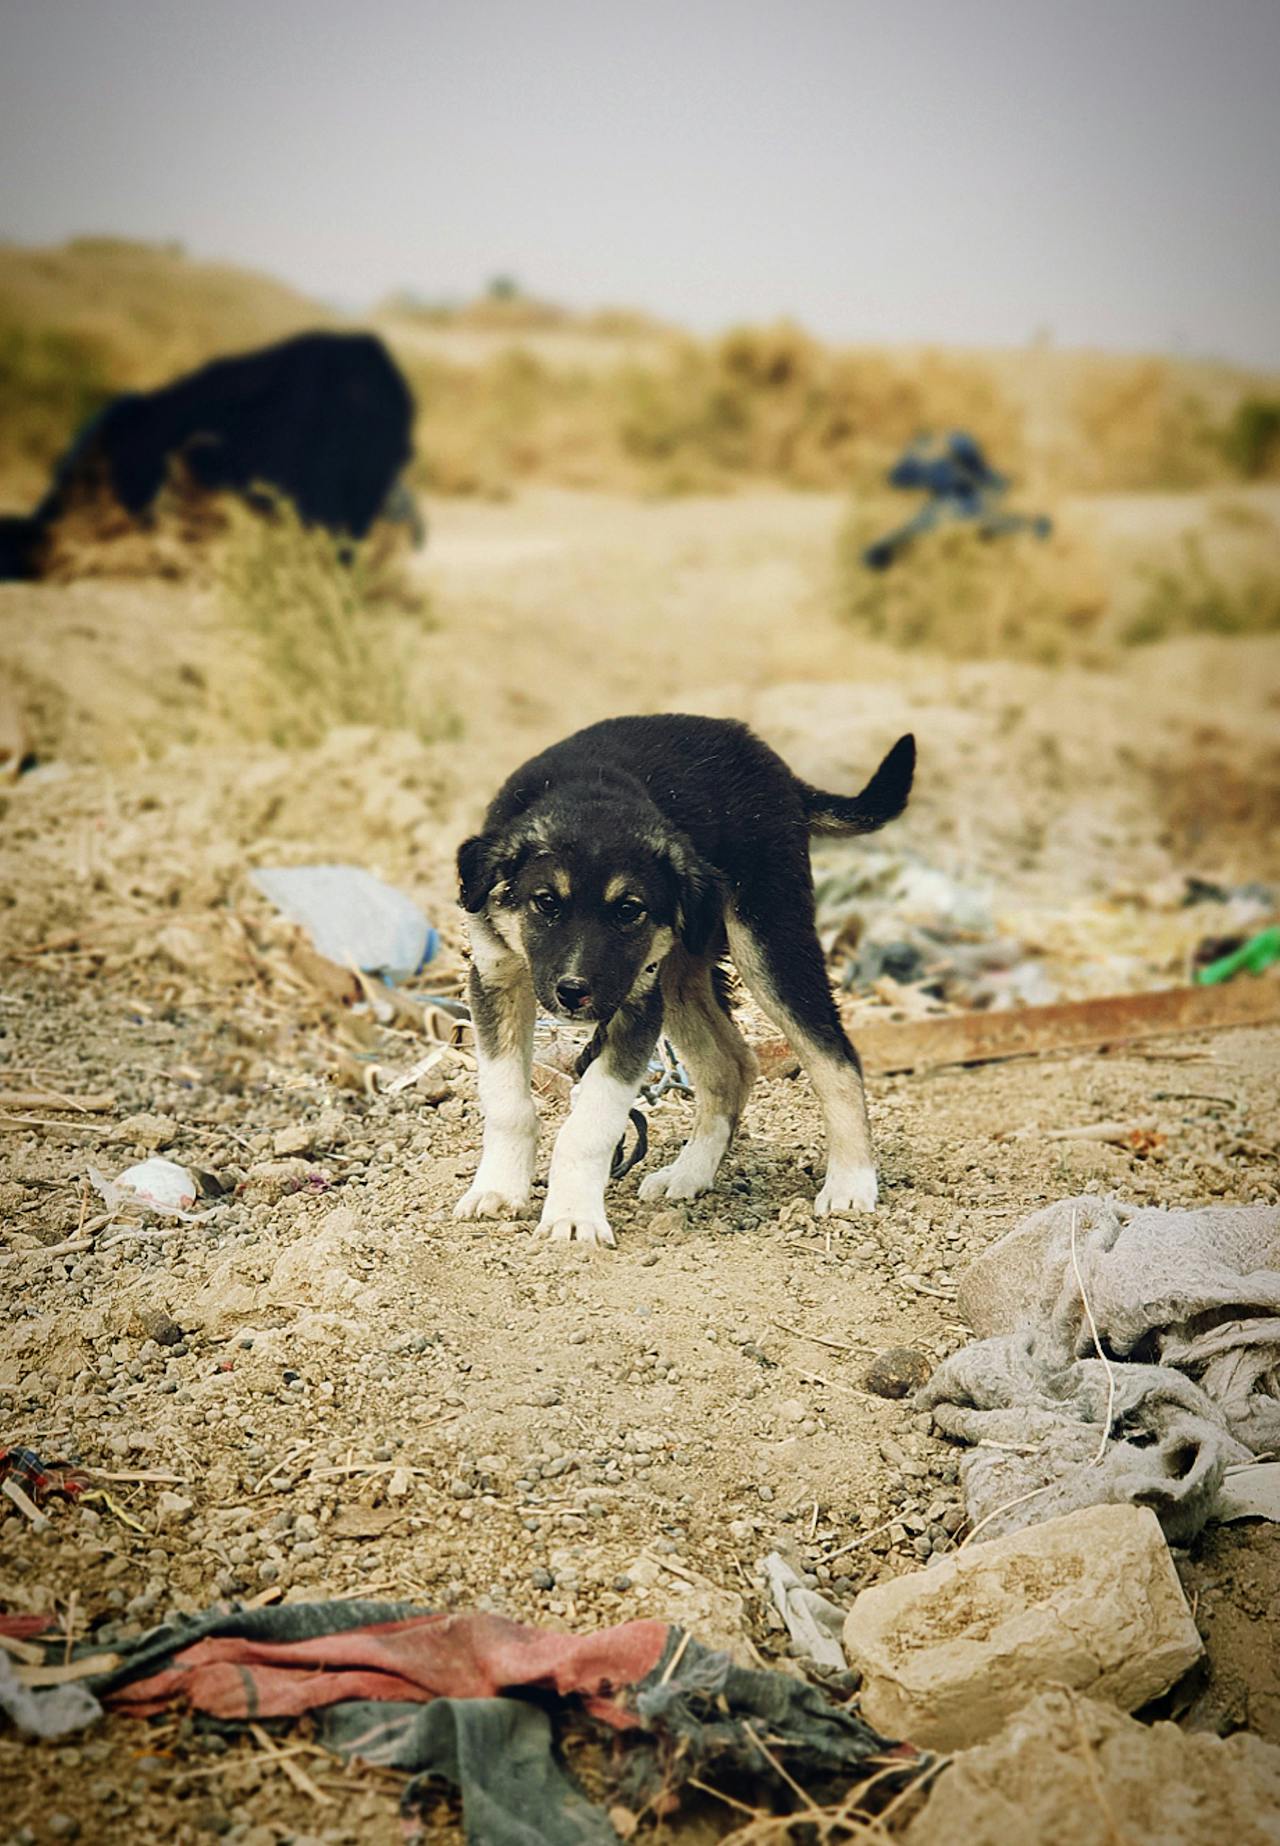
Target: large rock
[(1090, 1601), (1066, 1771)]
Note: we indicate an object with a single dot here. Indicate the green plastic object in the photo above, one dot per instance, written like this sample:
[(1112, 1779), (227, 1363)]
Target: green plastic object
[(1260, 952)]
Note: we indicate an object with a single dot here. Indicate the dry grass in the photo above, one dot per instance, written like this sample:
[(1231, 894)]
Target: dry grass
[(335, 629), (513, 389), (1015, 597), (1142, 425), (101, 315), (760, 404), (1201, 592), (51, 381)]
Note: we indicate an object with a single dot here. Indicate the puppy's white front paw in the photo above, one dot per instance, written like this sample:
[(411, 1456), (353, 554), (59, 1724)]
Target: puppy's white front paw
[(583, 1226), (491, 1202), (671, 1183), (847, 1189)]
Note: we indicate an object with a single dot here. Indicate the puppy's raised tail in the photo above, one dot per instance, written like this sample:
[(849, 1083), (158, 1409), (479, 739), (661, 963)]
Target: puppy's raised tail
[(882, 800)]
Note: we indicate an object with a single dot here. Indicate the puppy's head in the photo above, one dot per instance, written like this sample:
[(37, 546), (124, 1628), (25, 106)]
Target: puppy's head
[(594, 899)]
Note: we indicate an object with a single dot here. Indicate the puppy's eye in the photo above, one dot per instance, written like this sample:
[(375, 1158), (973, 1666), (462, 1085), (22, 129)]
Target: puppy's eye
[(629, 910), (546, 903)]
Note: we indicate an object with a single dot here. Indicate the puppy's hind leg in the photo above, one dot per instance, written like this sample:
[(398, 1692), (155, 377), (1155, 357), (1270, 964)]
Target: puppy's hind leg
[(722, 1069), (502, 1011), (784, 970), (583, 1155)]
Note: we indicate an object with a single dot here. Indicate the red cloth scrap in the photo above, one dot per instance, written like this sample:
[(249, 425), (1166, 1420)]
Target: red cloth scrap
[(472, 1656)]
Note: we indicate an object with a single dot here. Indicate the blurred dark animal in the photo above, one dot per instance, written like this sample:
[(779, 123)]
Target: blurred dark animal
[(961, 485), (324, 419)]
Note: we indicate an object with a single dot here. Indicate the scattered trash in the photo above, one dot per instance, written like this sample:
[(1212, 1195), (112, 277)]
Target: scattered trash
[(158, 1185), (442, 1696), (1091, 1601), (813, 1623), (1142, 1138), (353, 918), (1208, 891), (890, 918), (51, 1713), (1255, 956), (960, 485), (897, 1372), (873, 893), (1251, 1490), (1069, 1769), (27, 1482), (1064, 1414), (409, 1079)]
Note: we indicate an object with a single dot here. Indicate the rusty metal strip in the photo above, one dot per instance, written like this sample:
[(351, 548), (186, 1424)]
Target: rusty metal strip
[(1081, 1025)]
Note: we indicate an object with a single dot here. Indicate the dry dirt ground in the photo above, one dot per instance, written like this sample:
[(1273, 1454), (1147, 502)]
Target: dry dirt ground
[(355, 1394)]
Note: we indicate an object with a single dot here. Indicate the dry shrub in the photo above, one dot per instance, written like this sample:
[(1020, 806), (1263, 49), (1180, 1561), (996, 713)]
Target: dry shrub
[(955, 592), (1211, 588), (51, 381), (1138, 426), (483, 430), (332, 629), (1251, 439), (759, 404), (616, 400), (94, 536)]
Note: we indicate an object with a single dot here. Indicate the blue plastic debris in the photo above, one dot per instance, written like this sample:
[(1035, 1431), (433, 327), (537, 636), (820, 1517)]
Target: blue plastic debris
[(352, 917), (959, 484)]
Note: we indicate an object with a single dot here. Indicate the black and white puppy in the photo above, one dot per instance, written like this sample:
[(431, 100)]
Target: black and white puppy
[(614, 874)]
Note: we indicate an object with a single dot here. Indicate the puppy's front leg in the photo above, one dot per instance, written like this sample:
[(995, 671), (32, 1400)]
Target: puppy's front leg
[(583, 1152), (502, 1010)]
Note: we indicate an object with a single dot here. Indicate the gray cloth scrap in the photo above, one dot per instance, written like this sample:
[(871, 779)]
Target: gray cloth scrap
[(1187, 1307), (814, 1623)]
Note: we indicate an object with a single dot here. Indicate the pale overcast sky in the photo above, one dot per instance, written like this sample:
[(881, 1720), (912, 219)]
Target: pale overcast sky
[(956, 170)]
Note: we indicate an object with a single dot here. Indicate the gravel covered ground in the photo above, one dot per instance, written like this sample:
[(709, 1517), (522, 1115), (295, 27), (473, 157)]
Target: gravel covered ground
[(320, 1384)]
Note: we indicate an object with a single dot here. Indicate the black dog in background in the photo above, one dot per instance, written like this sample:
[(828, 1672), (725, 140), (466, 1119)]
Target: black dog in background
[(614, 873), (325, 419)]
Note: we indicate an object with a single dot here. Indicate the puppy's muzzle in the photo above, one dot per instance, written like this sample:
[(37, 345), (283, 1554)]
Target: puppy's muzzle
[(573, 995)]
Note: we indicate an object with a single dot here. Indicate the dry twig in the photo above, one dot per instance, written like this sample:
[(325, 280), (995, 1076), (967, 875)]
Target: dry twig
[(1093, 1328)]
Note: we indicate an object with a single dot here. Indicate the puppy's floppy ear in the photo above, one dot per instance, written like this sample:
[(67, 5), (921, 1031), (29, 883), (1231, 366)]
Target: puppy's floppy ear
[(485, 863), (698, 898), (477, 871)]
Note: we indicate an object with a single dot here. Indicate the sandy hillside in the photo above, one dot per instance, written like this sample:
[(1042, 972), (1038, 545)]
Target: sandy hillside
[(356, 1394)]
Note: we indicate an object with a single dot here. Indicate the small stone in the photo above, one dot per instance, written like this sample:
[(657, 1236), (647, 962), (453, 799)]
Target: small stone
[(330, 1127), (159, 1327), (898, 1372), (147, 1130), (297, 1138), (542, 1579), (268, 1181)]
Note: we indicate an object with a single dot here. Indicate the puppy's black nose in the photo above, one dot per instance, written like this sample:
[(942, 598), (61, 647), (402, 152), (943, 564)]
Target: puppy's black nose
[(572, 992)]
